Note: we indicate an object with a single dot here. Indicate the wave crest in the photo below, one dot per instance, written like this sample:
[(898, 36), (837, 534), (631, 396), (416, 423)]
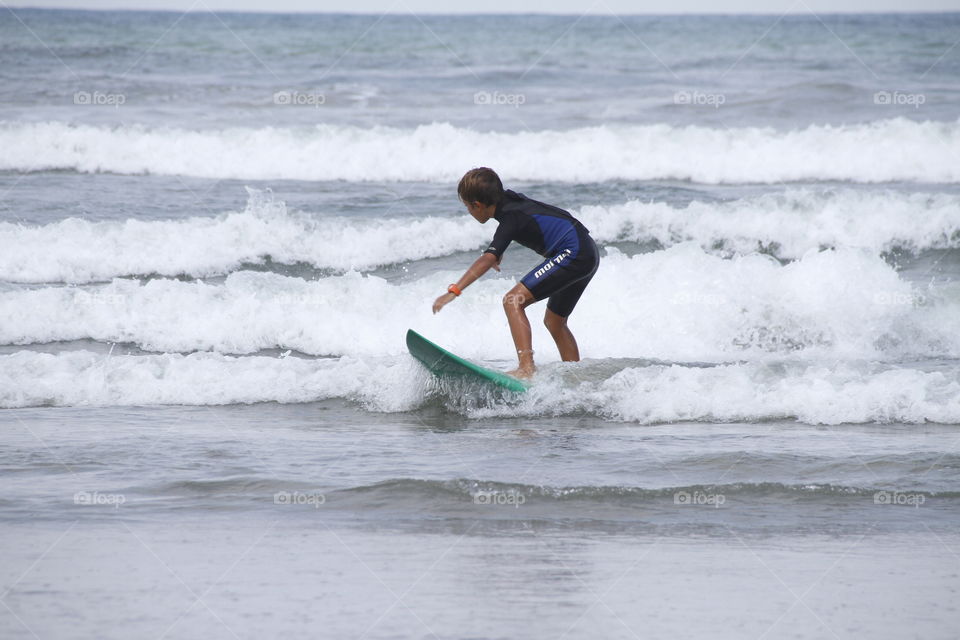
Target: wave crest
[(886, 150)]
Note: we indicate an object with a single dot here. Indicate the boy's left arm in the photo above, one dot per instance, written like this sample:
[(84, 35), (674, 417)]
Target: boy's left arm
[(482, 264)]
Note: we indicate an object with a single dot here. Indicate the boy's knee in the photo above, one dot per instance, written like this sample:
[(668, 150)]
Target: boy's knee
[(554, 322)]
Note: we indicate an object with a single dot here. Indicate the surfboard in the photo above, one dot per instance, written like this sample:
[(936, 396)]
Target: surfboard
[(444, 364)]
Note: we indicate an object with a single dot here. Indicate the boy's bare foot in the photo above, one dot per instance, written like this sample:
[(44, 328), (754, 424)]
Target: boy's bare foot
[(522, 373)]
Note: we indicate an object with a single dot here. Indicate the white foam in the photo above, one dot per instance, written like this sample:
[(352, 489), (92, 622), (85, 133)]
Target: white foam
[(74, 378), (787, 224), (815, 394), (678, 304), (886, 150), (78, 251), (685, 304)]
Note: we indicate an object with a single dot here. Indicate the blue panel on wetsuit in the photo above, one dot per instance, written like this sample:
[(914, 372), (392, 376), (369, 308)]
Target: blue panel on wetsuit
[(558, 234), (543, 271)]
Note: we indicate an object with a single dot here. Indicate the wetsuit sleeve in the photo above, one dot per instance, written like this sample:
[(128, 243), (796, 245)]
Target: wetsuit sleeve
[(503, 237)]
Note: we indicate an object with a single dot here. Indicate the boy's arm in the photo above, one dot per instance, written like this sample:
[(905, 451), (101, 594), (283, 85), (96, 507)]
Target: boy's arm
[(477, 269)]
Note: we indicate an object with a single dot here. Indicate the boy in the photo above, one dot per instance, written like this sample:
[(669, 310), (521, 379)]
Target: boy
[(571, 256)]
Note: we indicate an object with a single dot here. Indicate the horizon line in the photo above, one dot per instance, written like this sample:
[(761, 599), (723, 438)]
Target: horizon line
[(482, 13)]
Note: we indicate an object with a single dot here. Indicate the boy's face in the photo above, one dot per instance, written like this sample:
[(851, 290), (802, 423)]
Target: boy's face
[(480, 212)]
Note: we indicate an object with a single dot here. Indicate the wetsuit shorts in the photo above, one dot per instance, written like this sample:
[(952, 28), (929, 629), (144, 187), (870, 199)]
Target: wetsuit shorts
[(562, 279)]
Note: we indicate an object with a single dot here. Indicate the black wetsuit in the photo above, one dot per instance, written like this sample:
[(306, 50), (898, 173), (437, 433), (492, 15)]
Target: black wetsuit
[(571, 254)]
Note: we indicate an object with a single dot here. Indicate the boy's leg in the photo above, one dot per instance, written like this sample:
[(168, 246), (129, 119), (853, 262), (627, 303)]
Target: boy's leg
[(566, 343), (514, 304), (563, 287), (559, 307)]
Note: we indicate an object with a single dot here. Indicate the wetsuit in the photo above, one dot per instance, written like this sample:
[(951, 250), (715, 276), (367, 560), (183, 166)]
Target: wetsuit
[(571, 255)]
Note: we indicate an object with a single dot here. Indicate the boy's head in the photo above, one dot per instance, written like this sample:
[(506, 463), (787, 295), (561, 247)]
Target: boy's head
[(480, 185)]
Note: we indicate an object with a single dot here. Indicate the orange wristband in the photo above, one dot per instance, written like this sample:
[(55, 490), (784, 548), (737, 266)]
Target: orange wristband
[(455, 290)]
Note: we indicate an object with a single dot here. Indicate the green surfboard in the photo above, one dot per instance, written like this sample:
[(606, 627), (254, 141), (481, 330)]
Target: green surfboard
[(444, 364)]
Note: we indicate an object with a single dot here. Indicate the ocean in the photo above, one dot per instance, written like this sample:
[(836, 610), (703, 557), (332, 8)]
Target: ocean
[(216, 229)]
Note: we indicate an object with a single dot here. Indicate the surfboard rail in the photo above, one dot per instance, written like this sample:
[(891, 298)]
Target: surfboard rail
[(442, 364)]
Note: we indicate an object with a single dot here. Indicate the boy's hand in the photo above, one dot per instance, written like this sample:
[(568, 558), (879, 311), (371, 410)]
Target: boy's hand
[(442, 301)]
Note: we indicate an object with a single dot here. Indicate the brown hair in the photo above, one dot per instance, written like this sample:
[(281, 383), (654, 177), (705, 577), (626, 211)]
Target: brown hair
[(480, 185)]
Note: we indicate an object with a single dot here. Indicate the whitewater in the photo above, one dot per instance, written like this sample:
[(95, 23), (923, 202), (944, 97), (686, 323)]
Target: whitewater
[(881, 151), (785, 225)]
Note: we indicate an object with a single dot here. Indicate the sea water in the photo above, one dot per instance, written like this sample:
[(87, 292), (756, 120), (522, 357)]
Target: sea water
[(217, 228)]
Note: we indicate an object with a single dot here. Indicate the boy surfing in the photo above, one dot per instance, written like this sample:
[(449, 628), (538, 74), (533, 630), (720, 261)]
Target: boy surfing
[(570, 259)]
